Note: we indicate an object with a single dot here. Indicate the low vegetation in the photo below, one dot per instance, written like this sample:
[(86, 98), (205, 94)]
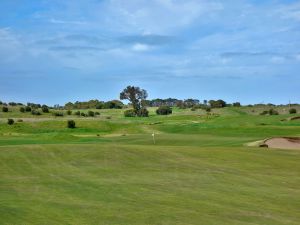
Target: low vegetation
[(190, 167), (164, 110), (71, 124), (10, 121)]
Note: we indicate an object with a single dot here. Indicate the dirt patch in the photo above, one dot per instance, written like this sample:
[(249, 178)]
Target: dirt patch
[(284, 143)]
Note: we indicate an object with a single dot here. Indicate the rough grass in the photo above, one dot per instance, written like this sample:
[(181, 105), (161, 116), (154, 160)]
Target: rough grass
[(108, 171)]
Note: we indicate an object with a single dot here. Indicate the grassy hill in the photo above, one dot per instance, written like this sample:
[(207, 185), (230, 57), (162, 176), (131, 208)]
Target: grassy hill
[(108, 171)]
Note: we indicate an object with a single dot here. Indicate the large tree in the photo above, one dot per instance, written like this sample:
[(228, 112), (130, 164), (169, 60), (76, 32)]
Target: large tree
[(135, 95)]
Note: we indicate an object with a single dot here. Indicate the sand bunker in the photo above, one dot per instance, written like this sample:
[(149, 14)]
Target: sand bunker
[(283, 143)]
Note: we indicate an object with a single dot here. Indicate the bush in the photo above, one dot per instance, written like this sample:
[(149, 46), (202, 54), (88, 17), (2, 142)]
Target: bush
[(208, 109), (10, 121), (22, 109), (97, 114), (69, 112), (77, 113), (58, 114), (143, 112), (91, 113), (273, 112), (264, 113), (45, 109), (129, 113), (236, 104), (28, 109), (71, 124), (20, 120), (36, 112), (4, 109), (12, 103), (83, 114), (292, 111), (165, 110)]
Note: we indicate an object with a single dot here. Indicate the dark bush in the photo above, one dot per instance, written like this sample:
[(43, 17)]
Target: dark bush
[(12, 103), (36, 112), (10, 121), (83, 114), (236, 104), (91, 113), (20, 120), (45, 109), (273, 112), (129, 113), (28, 109), (208, 109), (143, 112), (4, 109), (77, 113), (264, 112), (56, 114), (71, 124), (69, 112), (165, 110), (97, 113), (292, 111), (22, 109)]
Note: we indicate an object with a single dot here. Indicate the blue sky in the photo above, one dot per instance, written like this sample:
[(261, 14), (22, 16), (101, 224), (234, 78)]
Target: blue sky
[(54, 51)]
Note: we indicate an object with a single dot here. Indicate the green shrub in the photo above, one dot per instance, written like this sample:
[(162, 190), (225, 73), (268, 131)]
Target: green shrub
[(71, 124), (273, 112), (292, 111), (45, 109), (36, 112), (165, 110), (129, 113), (10, 121), (20, 120), (236, 104), (57, 114), (28, 109), (143, 112), (69, 112), (97, 114), (83, 114), (91, 113), (264, 112), (22, 109), (77, 113), (4, 109)]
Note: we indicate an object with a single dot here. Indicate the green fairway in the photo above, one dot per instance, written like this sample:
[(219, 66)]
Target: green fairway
[(108, 171)]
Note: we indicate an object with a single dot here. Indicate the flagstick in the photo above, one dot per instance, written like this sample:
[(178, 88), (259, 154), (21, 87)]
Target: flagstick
[(153, 136)]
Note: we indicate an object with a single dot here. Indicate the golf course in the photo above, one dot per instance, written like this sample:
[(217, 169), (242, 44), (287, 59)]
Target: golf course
[(188, 167)]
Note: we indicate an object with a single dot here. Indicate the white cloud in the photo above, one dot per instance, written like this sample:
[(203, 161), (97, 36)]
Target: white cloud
[(10, 46), (67, 22), (140, 47), (159, 16), (291, 11), (277, 59)]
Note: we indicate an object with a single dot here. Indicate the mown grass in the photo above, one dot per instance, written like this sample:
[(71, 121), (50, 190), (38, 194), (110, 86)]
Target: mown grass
[(108, 171)]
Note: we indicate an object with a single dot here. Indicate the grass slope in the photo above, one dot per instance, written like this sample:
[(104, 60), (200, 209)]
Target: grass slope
[(107, 171)]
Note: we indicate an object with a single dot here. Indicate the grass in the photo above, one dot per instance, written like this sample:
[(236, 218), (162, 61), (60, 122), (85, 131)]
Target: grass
[(107, 171)]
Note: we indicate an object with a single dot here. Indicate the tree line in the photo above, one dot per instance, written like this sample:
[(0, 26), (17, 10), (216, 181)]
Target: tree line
[(138, 102)]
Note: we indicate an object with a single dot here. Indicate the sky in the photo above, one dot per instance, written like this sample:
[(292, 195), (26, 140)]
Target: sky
[(54, 51)]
